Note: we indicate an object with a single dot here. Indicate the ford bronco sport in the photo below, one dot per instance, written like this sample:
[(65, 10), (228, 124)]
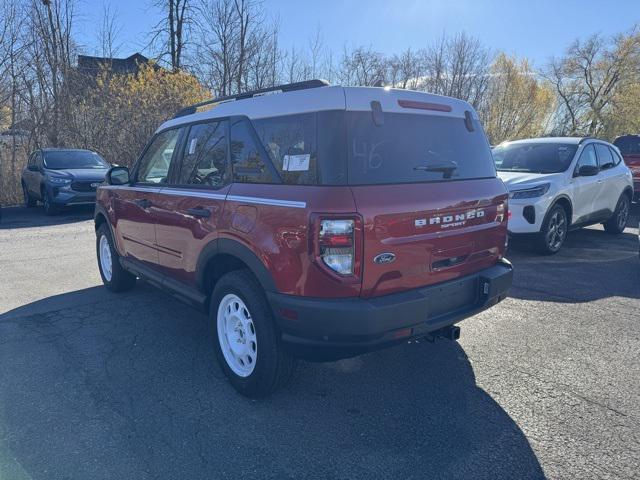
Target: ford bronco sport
[(312, 221)]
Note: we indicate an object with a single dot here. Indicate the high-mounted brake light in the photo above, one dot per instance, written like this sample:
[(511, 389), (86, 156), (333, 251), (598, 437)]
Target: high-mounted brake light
[(438, 107)]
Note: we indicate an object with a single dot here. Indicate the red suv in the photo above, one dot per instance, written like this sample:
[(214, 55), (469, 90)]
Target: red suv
[(629, 146), (312, 221)]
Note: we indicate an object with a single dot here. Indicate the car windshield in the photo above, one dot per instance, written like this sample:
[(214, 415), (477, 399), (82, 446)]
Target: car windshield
[(534, 157), (73, 159)]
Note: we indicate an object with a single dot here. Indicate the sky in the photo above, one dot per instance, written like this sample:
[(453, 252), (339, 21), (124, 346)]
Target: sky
[(536, 29)]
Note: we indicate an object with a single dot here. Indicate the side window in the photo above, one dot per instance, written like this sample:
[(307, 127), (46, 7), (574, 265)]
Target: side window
[(605, 159), (205, 155), (588, 157), (290, 143), (154, 165), (616, 156), (248, 165)]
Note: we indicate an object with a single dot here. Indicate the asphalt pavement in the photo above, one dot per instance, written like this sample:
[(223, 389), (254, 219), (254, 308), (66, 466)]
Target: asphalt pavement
[(98, 385)]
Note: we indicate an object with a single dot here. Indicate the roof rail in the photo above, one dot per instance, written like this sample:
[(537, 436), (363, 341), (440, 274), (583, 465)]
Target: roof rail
[(290, 87), (584, 139)]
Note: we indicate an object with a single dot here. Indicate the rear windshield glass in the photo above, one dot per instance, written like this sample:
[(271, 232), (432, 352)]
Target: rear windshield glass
[(534, 157), (70, 159), (412, 148), (629, 145)]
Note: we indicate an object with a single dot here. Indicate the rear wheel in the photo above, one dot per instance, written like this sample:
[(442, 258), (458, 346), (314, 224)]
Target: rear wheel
[(618, 221), (114, 277), (29, 202), (247, 343), (554, 231)]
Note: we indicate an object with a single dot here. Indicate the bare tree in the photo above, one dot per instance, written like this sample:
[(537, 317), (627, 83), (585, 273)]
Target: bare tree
[(109, 32), (172, 31), (587, 78), (457, 67), (363, 67)]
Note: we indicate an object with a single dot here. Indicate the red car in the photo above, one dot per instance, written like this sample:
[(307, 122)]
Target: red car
[(312, 221), (629, 146)]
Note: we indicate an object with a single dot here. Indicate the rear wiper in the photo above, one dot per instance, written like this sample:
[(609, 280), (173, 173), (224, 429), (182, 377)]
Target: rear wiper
[(445, 168)]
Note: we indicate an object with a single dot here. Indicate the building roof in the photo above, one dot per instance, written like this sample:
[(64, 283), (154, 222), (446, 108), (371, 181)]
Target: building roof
[(123, 66)]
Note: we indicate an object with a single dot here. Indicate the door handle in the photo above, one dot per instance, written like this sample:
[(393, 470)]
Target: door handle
[(199, 212), (144, 203)]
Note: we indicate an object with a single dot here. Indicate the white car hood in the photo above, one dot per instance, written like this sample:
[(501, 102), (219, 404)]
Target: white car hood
[(519, 180)]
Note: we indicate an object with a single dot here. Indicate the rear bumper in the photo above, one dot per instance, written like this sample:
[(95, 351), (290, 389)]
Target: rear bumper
[(320, 327)]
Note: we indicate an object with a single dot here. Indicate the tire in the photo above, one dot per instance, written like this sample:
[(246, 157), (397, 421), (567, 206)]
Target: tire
[(49, 207), (553, 232), (247, 342), (115, 278), (29, 201), (618, 221)]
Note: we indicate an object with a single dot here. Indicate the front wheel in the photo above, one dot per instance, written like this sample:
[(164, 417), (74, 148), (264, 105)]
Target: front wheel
[(49, 207), (247, 343), (114, 277), (29, 201), (554, 231), (618, 221)]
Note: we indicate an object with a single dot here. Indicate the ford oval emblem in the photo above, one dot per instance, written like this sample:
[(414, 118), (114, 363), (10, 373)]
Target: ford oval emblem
[(387, 257)]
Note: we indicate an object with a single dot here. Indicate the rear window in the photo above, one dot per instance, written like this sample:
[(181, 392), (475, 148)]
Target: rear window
[(408, 148)]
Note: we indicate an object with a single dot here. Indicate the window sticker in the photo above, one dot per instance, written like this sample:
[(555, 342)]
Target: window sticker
[(296, 163), (192, 145)]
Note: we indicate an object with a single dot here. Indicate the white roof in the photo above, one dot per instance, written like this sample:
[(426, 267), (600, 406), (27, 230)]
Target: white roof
[(327, 98)]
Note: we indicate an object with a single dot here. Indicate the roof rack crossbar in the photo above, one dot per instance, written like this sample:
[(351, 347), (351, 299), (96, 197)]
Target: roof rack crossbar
[(290, 87)]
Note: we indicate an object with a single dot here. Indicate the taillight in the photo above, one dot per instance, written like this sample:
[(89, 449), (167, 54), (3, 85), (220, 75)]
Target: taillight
[(336, 240)]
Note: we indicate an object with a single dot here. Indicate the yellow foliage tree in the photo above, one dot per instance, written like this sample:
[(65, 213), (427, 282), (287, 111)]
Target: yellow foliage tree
[(517, 104), (117, 114)]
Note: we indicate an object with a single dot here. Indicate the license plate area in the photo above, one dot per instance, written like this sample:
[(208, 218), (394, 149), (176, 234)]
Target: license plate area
[(452, 296)]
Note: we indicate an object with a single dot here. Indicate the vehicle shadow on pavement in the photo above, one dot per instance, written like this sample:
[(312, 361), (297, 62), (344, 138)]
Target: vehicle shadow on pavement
[(128, 387), (22, 217), (591, 265)]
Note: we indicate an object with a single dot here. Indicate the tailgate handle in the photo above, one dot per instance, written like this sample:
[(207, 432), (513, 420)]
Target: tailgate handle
[(449, 262)]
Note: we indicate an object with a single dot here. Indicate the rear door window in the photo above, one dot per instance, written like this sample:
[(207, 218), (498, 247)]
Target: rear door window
[(290, 142), (204, 161), (409, 148), (246, 159), (605, 158)]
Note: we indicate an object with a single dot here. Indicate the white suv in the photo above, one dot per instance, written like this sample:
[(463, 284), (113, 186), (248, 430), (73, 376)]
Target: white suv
[(563, 183)]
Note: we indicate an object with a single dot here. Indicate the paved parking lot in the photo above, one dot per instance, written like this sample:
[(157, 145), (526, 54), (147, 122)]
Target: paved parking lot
[(96, 385)]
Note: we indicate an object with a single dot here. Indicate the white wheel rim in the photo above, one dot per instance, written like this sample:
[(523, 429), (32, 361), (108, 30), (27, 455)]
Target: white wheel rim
[(105, 258), (237, 335)]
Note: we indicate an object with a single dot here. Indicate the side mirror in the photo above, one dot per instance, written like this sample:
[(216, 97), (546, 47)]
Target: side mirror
[(588, 171), (33, 168), (117, 176)]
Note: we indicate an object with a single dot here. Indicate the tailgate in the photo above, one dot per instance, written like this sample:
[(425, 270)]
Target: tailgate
[(434, 232)]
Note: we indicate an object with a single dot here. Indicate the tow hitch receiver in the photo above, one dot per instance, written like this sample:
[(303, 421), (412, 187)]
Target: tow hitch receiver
[(452, 332)]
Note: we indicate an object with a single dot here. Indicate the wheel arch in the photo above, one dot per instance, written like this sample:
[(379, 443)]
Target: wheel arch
[(566, 203), (628, 191), (224, 255)]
